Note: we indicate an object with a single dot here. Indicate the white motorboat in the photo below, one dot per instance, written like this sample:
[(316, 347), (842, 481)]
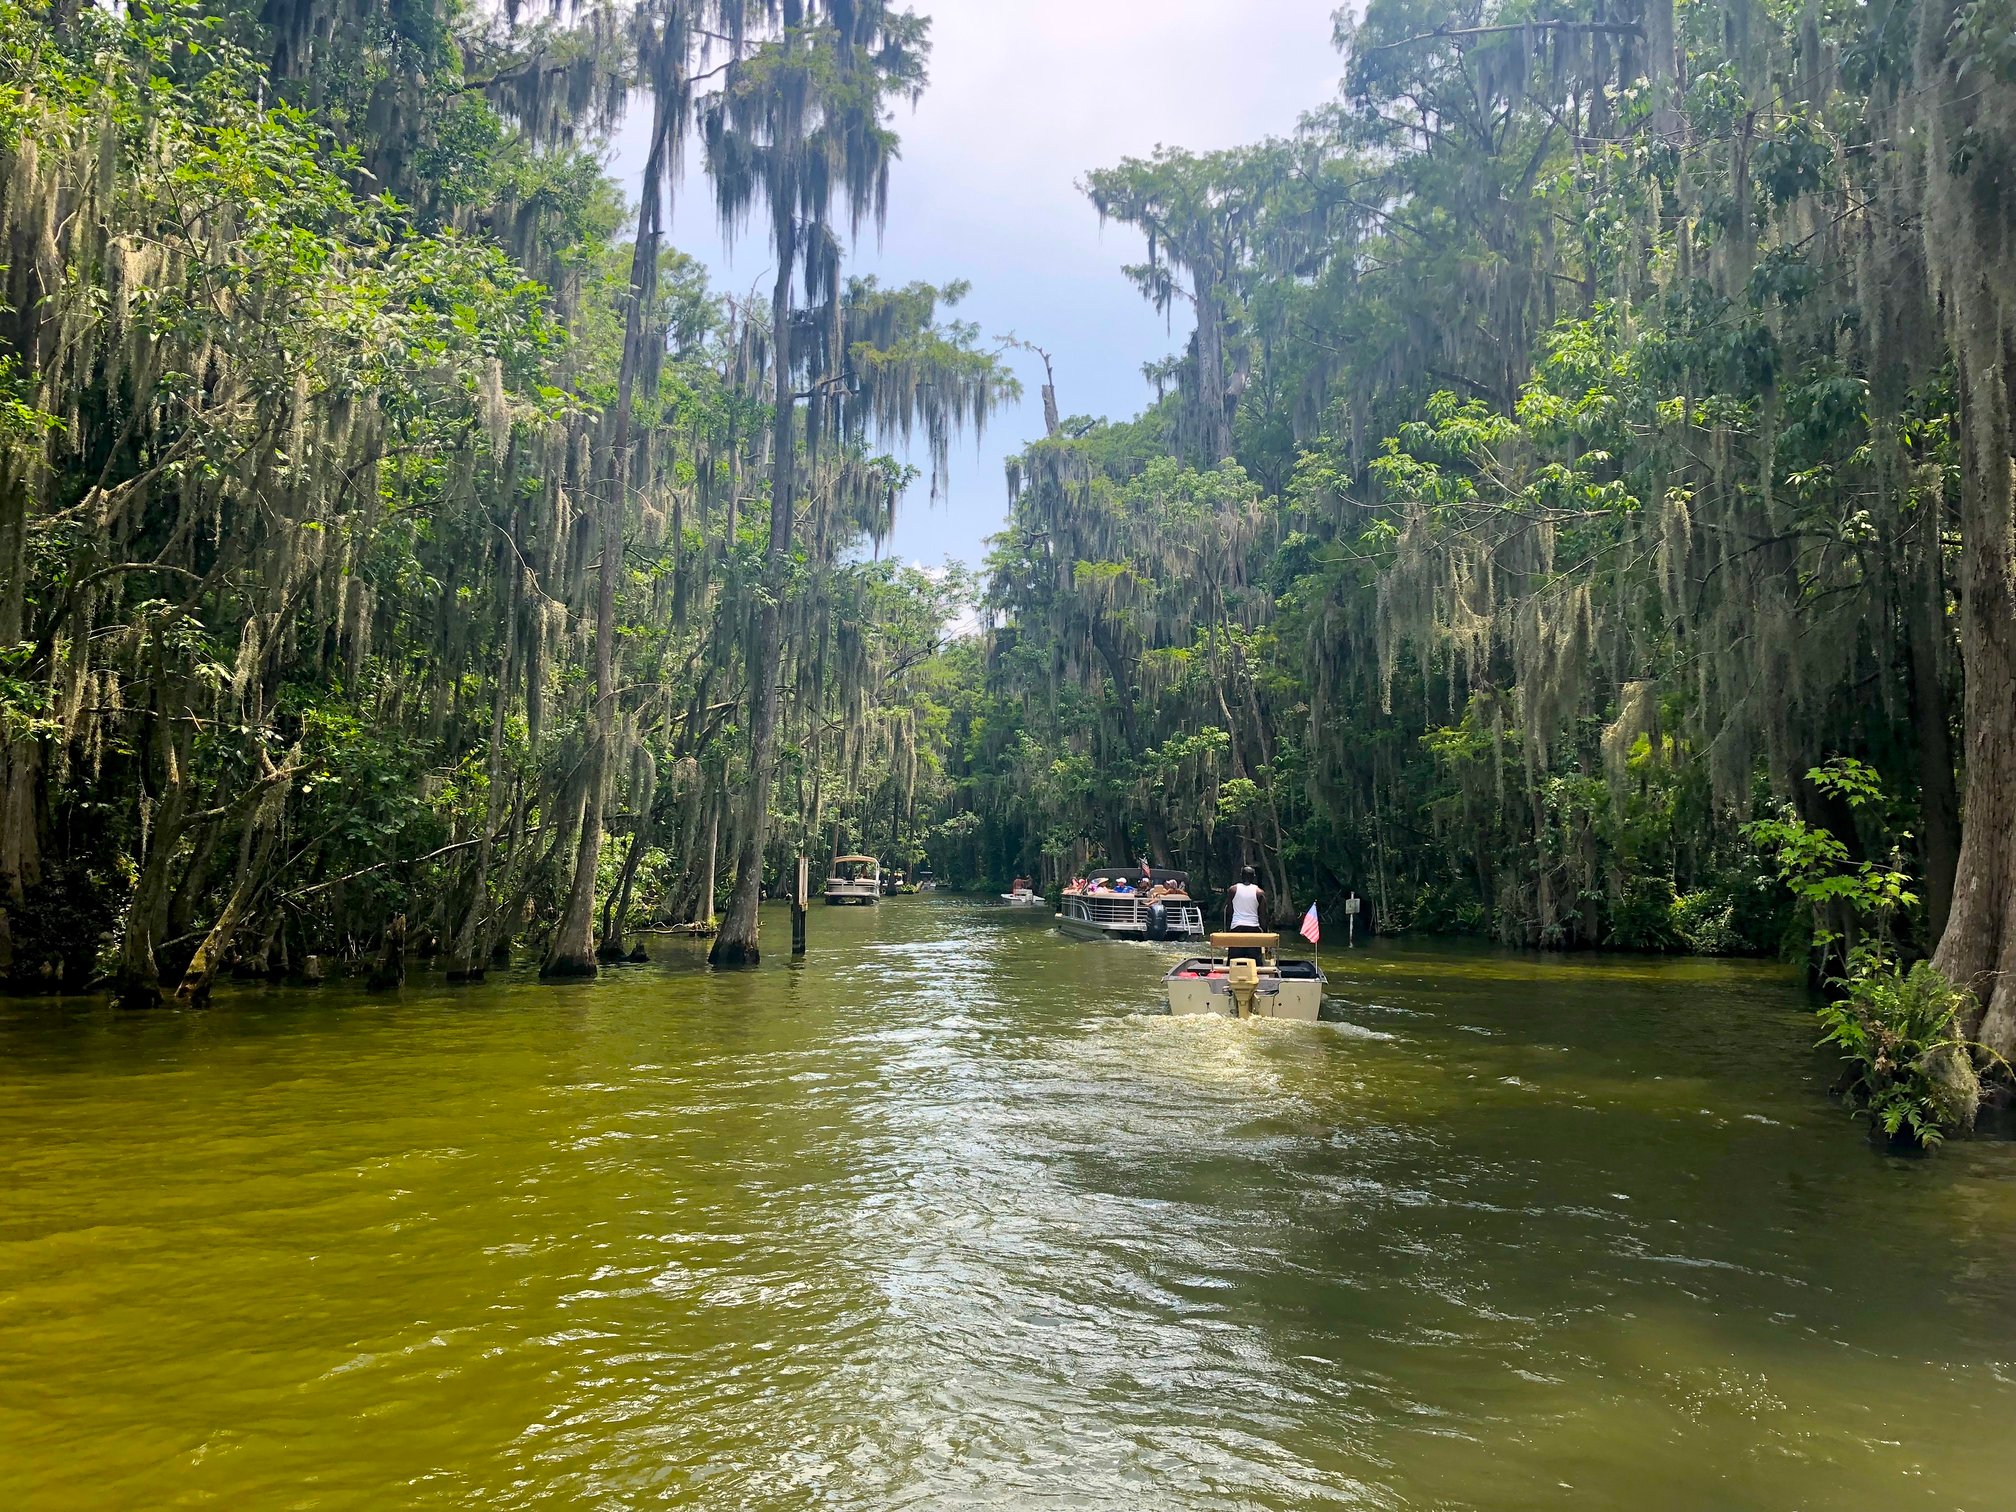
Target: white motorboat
[(1245, 976), (855, 879), (1024, 897), (1126, 903)]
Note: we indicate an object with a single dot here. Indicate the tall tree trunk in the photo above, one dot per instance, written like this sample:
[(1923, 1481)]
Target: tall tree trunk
[(139, 975), (1931, 719), (573, 949), (1215, 427), (1970, 208), (1978, 949), (617, 911), (20, 817), (14, 497), (736, 944), (703, 908), (255, 854), (467, 960), (1157, 825), (572, 953), (138, 978)]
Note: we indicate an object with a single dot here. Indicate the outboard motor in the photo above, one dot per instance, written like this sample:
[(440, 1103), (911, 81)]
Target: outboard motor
[(1158, 920)]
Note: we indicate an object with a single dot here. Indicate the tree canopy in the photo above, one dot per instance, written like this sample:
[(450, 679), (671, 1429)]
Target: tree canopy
[(1589, 439)]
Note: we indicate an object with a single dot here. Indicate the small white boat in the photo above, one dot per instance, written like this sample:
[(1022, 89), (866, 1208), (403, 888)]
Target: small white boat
[(855, 879), (1099, 910), (1024, 897), (1245, 976)]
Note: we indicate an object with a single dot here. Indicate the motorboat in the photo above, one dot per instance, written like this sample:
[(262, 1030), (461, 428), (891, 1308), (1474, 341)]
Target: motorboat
[(926, 882), (855, 879), (1244, 976), (1130, 903), (1022, 895)]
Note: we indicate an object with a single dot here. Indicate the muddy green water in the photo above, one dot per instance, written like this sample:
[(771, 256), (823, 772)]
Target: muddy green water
[(949, 1217)]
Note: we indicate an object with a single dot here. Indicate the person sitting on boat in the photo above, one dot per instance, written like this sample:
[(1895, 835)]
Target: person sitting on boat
[(1243, 905), (1123, 888)]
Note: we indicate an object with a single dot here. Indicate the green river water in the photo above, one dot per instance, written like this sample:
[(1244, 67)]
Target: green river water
[(950, 1217)]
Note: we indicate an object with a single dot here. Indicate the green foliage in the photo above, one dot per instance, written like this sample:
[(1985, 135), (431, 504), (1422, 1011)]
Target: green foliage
[(1854, 903), (1907, 1064), (1647, 917)]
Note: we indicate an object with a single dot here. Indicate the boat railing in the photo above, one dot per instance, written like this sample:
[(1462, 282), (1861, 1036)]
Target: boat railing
[(1131, 910)]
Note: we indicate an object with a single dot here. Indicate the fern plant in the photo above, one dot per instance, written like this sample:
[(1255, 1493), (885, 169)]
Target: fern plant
[(1910, 1069)]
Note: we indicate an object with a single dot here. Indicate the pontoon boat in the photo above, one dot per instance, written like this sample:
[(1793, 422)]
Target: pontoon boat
[(855, 879), (1128, 903)]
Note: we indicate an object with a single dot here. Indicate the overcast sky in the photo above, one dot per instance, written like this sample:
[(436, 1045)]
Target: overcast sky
[(1025, 96)]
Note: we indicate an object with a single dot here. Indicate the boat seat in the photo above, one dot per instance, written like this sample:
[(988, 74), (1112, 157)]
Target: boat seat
[(1244, 940)]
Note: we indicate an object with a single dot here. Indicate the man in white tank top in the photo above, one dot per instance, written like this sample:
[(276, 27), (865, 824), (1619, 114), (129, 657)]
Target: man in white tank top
[(1245, 898)]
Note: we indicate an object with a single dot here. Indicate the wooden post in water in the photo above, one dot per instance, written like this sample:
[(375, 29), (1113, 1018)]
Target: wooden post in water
[(799, 892)]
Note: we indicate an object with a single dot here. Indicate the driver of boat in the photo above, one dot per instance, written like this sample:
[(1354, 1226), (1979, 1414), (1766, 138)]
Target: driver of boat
[(1124, 888), (1243, 904)]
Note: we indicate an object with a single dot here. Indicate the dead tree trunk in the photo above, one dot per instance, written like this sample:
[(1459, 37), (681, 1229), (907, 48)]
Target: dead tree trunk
[(390, 972)]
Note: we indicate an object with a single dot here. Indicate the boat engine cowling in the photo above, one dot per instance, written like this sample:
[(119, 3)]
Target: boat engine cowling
[(1158, 920), (1242, 979)]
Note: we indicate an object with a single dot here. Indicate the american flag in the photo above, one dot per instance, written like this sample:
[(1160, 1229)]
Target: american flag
[(1312, 929)]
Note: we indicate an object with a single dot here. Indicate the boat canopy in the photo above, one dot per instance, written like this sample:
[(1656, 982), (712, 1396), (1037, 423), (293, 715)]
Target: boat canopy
[(852, 866), (1111, 874)]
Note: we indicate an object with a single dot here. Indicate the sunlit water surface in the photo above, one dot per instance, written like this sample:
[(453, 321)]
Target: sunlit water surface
[(950, 1217)]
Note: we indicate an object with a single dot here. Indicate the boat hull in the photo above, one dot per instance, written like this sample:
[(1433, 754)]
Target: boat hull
[(1194, 992), (1080, 929), (858, 892), (1114, 918)]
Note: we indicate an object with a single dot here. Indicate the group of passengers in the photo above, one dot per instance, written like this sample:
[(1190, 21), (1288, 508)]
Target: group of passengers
[(1123, 887)]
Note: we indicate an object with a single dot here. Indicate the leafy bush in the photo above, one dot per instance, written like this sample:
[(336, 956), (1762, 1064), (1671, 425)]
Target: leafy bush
[(1706, 921), (1642, 916), (1443, 908), (1908, 1067)]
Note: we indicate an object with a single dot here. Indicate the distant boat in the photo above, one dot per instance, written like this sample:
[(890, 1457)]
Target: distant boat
[(1254, 983), (926, 882), (855, 879), (1098, 910), (1021, 895)]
